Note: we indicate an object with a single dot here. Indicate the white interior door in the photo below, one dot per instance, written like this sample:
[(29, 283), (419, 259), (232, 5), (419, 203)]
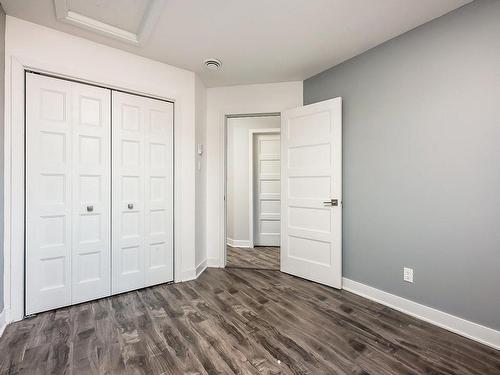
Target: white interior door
[(158, 199), (267, 189), (67, 169), (142, 192), (311, 193), (91, 226), (48, 193)]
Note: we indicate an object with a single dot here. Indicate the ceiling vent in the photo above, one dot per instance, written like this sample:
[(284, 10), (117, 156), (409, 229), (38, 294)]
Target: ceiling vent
[(213, 64)]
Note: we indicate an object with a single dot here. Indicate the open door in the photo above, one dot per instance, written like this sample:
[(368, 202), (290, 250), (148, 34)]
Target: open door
[(266, 189), (311, 192)]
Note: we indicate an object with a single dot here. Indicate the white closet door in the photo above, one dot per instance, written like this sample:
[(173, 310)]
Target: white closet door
[(67, 253), (48, 193), (158, 199), (267, 200), (142, 192), (128, 192), (91, 257)]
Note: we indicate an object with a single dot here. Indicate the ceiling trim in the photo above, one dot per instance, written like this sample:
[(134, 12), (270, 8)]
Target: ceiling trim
[(149, 20)]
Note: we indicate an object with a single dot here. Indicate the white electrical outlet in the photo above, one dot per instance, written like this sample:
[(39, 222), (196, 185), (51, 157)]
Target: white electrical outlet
[(408, 274)]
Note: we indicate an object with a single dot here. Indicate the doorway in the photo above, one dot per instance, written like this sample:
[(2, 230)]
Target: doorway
[(253, 192)]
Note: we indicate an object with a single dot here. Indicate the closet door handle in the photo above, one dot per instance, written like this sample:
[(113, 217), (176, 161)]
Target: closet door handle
[(130, 206), (90, 208)]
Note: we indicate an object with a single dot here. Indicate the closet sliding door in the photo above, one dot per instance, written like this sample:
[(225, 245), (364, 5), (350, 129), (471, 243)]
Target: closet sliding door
[(142, 224), (67, 193)]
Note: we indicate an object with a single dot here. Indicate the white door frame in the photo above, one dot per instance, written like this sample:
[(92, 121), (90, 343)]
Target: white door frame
[(251, 134), (223, 208), (14, 171)]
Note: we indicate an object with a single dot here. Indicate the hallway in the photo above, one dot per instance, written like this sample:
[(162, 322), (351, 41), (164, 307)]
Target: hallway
[(262, 257)]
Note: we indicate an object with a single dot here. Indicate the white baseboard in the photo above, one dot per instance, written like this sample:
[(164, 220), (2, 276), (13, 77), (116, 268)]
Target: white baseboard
[(238, 243), (3, 321), (474, 331), (193, 274), (213, 263), (188, 275), (201, 267)]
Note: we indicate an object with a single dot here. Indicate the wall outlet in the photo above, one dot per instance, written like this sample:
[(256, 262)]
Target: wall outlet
[(408, 274)]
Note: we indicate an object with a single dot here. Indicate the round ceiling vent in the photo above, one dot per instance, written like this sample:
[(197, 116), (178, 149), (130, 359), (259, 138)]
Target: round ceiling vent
[(212, 64)]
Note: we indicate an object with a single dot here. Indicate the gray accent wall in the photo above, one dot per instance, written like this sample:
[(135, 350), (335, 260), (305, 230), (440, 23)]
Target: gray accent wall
[(2, 101), (422, 162)]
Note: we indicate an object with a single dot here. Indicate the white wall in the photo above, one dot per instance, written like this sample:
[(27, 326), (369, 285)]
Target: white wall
[(238, 175), (201, 175), (36, 45), (221, 101)]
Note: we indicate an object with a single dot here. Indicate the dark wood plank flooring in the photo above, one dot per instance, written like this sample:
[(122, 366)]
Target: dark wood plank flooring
[(261, 257), (237, 321)]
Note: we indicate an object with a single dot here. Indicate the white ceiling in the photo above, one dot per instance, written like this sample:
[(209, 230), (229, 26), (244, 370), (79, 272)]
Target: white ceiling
[(257, 40)]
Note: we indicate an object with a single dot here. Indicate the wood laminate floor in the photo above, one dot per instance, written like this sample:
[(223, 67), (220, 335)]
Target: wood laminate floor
[(261, 257), (237, 321)]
